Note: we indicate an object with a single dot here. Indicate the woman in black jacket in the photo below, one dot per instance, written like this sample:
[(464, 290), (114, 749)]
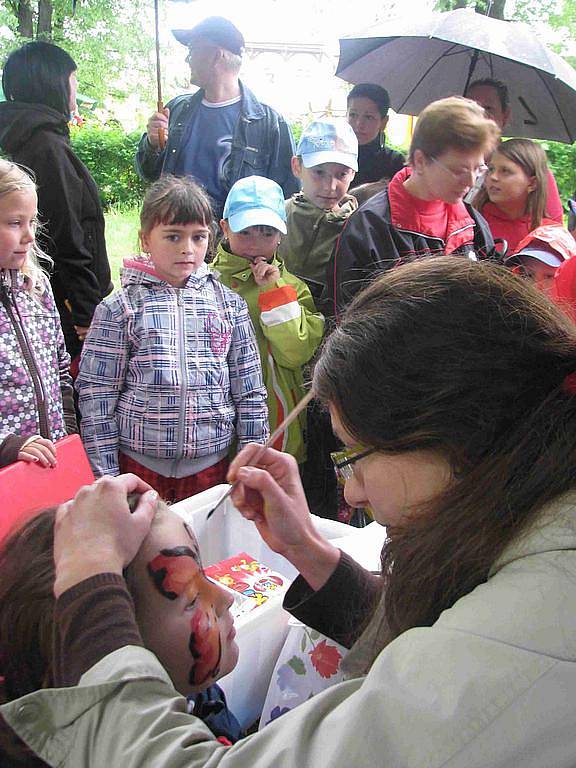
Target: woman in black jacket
[(39, 82)]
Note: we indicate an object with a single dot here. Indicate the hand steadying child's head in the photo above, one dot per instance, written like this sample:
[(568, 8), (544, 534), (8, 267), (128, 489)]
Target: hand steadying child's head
[(326, 161)]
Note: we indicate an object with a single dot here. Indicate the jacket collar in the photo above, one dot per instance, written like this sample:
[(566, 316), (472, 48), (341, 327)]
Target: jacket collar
[(13, 278), (251, 109), (347, 205), (236, 266), (140, 270), (405, 215), (554, 529)]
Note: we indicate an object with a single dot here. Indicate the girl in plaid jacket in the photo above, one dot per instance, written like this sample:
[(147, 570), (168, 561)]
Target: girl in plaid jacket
[(170, 372)]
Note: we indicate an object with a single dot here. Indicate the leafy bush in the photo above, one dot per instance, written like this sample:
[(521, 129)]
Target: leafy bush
[(562, 161), (109, 154)]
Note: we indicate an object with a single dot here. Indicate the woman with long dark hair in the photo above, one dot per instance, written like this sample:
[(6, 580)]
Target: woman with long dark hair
[(39, 82), (452, 385)]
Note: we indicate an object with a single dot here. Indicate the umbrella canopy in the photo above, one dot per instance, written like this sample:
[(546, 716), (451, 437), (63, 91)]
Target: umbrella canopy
[(427, 58)]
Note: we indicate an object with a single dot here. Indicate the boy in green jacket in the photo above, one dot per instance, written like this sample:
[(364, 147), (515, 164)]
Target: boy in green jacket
[(326, 161), (288, 327)]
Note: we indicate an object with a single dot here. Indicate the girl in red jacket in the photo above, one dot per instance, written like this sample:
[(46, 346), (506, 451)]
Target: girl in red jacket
[(514, 196)]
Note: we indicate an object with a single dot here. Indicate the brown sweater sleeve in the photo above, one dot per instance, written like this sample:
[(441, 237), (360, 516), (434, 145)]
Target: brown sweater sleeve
[(341, 608), (10, 448), (91, 619)]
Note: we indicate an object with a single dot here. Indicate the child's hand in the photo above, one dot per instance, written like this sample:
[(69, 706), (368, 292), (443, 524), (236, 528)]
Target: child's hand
[(81, 331), (40, 450), (264, 273)]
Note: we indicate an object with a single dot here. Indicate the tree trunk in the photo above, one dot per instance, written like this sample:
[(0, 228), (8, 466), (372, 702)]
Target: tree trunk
[(44, 29), (25, 27), (497, 9)]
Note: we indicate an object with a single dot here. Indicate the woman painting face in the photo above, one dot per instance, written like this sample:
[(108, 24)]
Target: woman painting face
[(394, 485), (184, 617)]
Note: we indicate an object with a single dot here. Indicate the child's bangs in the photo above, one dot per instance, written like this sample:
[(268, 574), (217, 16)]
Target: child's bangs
[(183, 209)]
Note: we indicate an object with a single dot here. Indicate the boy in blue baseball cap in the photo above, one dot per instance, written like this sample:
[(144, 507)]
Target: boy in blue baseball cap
[(326, 161), (288, 327)]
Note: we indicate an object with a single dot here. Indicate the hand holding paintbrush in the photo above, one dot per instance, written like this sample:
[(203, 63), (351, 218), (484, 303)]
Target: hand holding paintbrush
[(294, 413)]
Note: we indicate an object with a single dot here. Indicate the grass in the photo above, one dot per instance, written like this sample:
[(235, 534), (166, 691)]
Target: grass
[(121, 237)]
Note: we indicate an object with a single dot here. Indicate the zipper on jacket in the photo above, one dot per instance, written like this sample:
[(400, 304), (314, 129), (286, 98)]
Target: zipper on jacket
[(25, 348), (184, 373)]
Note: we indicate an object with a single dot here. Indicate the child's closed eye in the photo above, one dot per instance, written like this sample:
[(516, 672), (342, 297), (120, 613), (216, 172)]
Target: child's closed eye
[(191, 605)]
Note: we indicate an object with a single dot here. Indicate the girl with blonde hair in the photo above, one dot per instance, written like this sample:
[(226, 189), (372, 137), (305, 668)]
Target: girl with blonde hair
[(36, 400)]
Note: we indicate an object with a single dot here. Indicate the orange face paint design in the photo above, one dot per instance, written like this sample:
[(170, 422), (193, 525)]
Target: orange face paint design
[(178, 571)]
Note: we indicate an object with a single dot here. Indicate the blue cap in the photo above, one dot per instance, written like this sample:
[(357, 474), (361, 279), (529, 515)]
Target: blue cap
[(328, 141), (255, 201)]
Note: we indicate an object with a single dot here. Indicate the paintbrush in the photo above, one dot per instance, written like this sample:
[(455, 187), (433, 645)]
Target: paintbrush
[(271, 440)]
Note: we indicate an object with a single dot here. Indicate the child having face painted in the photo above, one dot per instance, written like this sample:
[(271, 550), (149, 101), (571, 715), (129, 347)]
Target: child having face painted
[(288, 326), (183, 618)]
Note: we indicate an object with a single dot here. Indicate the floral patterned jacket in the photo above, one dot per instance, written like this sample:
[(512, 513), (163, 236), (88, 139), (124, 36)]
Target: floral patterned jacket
[(36, 396)]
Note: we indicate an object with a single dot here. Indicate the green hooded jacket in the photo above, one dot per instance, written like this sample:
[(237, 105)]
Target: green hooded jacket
[(288, 331), (312, 235)]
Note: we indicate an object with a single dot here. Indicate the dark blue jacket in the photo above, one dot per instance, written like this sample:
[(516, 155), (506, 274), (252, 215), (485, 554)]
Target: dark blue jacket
[(262, 144)]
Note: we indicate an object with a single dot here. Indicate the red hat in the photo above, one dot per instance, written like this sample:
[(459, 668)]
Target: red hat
[(550, 237), (564, 287)]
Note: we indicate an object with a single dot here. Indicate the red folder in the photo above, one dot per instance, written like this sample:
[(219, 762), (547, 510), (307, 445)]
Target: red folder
[(26, 488)]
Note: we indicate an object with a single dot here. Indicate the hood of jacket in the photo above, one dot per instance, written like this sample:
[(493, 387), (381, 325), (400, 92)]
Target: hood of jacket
[(139, 270), (305, 208), (20, 121), (312, 235)]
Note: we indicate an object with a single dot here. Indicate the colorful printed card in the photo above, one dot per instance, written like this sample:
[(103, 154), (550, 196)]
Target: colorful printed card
[(251, 580)]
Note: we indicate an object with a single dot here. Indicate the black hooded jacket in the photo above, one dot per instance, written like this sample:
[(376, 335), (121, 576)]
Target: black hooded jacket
[(37, 137)]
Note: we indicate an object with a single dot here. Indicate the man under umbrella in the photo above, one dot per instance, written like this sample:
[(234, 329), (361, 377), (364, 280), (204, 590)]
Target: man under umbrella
[(492, 96), (222, 133)]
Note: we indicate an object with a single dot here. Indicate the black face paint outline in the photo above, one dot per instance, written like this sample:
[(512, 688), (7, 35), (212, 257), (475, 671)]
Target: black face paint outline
[(211, 674), (158, 575)]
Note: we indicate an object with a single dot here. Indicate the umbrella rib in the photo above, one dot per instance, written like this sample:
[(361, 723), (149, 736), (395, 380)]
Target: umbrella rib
[(430, 68), (553, 97)]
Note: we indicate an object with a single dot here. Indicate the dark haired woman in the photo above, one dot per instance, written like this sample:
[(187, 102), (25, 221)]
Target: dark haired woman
[(452, 384), (39, 82), (367, 113)]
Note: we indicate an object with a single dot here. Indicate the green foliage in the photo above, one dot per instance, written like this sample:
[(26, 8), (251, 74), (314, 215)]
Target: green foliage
[(106, 38), (562, 161), (109, 154)]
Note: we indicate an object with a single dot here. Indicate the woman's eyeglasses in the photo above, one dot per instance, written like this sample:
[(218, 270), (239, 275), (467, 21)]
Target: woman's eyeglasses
[(344, 461), (464, 173)]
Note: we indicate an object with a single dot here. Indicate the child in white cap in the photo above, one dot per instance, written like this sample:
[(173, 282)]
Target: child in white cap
[(287, 324), (326, 161)]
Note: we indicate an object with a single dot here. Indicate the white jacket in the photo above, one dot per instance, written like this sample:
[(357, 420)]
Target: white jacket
[(491, 684)]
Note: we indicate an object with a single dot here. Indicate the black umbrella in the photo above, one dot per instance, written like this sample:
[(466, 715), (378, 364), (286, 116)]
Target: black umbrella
[(422, 59)]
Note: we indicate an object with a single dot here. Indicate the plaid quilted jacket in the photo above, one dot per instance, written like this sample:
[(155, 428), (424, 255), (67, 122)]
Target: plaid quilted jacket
[(169, 372)]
